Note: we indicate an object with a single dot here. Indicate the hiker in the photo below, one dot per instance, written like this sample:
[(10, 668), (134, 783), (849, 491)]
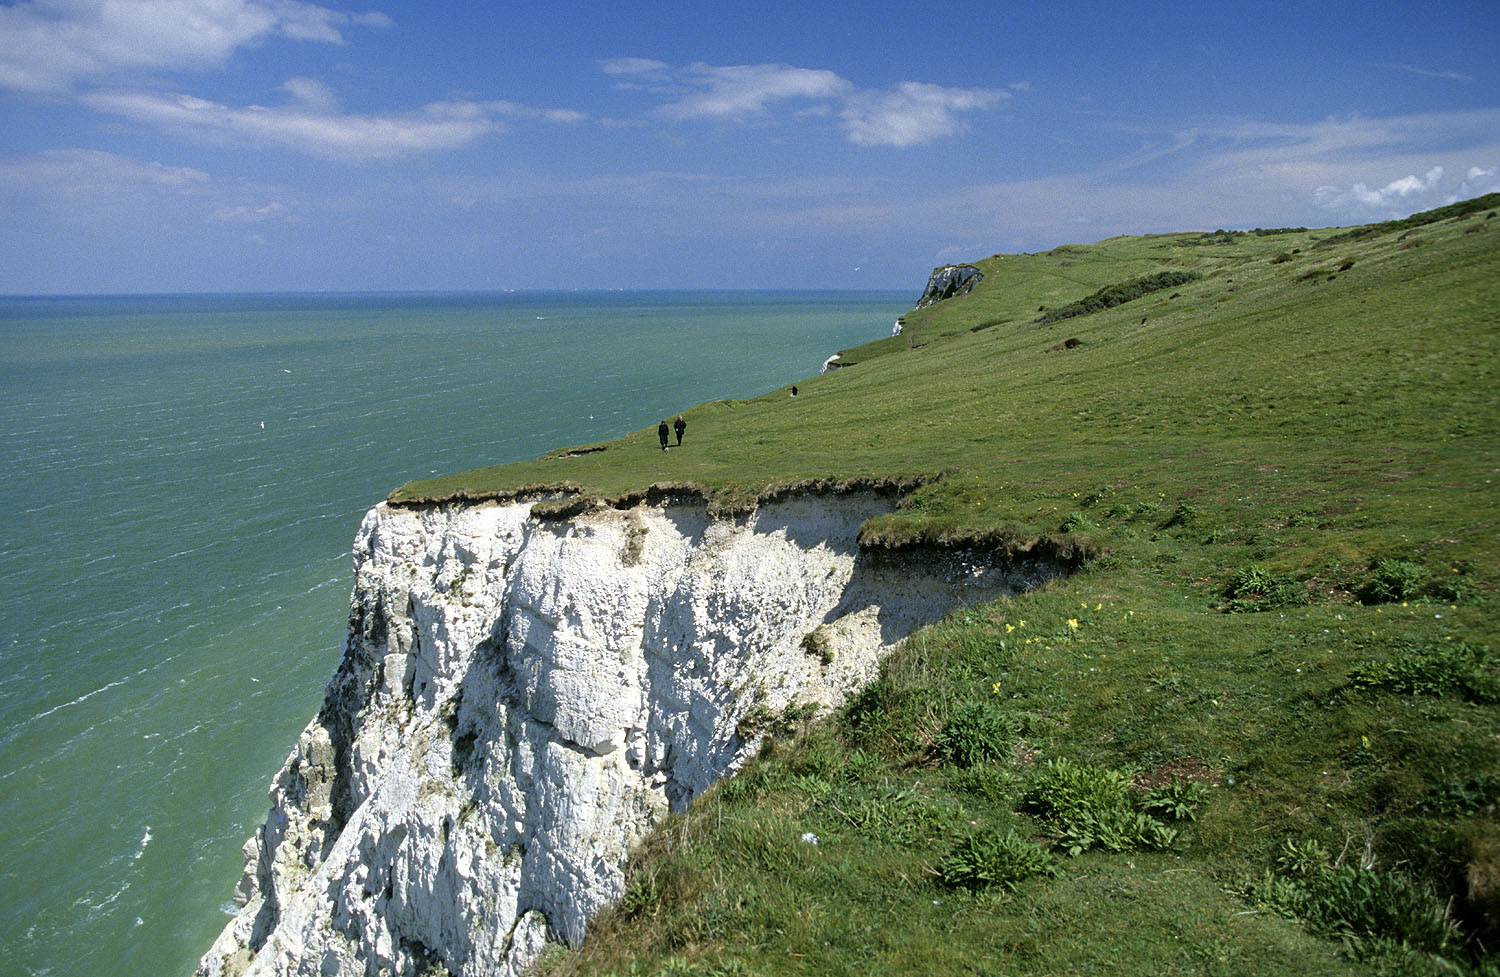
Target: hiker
[(661, 432), (679, 426), (794, 391)]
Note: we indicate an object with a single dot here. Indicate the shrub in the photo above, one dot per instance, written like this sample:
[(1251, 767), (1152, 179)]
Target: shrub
[(1093, 807), (1064, 790), (1184, 514), (992, 782), (1302, 858), (892, 815), (994, 858), (1433, 671), (1392, 580), (1175, 801), (816, 642), (1369, 910), (1118, 294), (1455, 798), (977, 733), (1115, 829), (1075, 522), (1254, 588)]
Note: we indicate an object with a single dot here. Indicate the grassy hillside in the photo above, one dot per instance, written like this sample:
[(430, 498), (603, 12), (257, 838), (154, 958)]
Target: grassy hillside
[(1260, 733)]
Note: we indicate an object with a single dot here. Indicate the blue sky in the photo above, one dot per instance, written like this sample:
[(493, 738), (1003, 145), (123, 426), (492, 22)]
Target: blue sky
[(282, 145)]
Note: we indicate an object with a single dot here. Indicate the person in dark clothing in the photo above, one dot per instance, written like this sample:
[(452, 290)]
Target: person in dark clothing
[(679, 426), (661, 432)]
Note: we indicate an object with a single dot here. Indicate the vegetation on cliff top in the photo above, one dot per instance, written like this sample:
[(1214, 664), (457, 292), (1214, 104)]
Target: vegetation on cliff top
[(1259, 734)]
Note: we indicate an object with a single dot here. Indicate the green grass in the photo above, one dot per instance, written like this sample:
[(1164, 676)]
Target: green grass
[(1286, 471)]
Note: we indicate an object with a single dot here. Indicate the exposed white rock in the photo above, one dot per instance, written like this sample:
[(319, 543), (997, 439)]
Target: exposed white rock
[(520, 701)]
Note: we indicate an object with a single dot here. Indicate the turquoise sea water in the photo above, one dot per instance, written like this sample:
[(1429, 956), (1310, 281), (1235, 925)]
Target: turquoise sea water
[(183, 477)]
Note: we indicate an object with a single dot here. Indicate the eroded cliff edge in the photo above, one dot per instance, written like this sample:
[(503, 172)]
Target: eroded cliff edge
[(520, 700)]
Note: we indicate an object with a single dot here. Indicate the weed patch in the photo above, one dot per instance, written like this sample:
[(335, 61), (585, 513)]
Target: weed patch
[(978, 733), (994, 858), (1392, 580), (1371, 912), (1254, 588), (1451, 670)]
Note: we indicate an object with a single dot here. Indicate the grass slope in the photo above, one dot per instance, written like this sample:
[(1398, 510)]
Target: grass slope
[(1259, 734)]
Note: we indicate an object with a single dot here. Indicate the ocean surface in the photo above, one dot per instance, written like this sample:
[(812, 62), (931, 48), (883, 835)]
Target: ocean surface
[(183, 478)]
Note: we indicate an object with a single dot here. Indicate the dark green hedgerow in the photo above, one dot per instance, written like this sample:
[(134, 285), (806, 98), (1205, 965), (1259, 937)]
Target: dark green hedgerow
[(1113, 295)]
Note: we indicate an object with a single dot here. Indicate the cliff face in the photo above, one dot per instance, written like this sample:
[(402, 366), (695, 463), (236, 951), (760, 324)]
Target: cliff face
[(948, 282), (520, 701)]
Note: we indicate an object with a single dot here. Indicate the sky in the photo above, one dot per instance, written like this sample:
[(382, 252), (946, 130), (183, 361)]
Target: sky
[(389, 145)]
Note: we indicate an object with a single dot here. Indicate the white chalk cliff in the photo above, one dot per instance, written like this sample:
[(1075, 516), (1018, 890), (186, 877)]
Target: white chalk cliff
[(520, 700)]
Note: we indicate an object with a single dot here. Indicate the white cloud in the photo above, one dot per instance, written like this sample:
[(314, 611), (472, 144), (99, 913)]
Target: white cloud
[(913, 113), (909, 114), (245, 214), (315, 130), (311, 93), (95, 173), (637, 72), (1429, 73), (47, 45), (1406, 194), (737, 91)]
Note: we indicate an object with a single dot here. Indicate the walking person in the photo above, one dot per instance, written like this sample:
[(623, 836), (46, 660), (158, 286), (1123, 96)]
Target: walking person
[(679, 426), (661, 432)]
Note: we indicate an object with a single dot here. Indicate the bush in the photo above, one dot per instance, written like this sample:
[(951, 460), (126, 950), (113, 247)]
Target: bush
[(994, 858), (1392, 580), (1432, 671), (1115, 829), (1093, 807), (1369, 910), (1461, 798), (1175, 801), (977, 733), (1064, 789), (1254, 588), (1118, 294)]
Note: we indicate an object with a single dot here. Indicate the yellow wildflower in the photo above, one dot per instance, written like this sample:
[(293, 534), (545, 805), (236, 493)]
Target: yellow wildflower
[(1072, 624)]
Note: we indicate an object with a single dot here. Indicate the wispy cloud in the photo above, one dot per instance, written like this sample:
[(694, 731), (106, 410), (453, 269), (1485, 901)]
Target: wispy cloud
[(909, 114), (48, 45), (1355, 168), (912, 113), (737, 91), (95, 174), (1430, 73), (311, 124), (245, 214)]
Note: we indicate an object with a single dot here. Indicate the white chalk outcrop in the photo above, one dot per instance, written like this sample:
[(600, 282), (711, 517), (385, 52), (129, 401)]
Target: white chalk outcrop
[(520, 700)]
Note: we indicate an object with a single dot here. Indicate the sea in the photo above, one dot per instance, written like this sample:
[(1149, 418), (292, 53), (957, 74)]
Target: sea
[(183, 479)]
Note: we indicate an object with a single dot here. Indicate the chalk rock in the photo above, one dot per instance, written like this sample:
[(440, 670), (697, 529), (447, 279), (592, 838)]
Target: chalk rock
[(949, 282), (519, 701)]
